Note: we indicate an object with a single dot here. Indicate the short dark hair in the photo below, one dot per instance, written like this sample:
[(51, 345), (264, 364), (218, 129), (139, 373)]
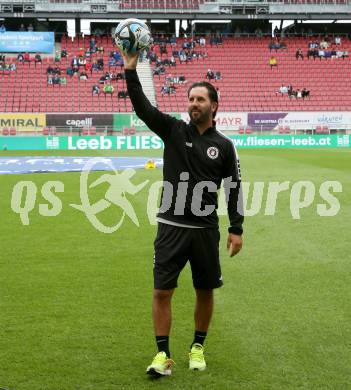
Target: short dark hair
[(212, 92)]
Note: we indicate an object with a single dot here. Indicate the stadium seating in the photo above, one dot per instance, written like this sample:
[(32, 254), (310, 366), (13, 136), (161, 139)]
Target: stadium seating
[(247, 82), (160, 4)]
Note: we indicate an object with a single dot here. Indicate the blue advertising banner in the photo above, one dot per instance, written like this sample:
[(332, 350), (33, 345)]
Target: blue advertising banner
[(31, 42)]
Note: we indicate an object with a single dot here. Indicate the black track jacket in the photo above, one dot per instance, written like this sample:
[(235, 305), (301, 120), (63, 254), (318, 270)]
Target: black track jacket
[(191, 161)]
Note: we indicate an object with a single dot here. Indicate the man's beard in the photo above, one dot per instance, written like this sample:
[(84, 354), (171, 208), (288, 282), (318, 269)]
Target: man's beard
[(200, 117)]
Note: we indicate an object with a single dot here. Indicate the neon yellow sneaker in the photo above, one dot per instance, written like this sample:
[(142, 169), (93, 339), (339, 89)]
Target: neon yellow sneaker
[(161, 365), (197, 358)]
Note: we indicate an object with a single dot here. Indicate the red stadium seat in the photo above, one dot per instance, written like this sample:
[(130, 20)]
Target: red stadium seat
[(5, 131)]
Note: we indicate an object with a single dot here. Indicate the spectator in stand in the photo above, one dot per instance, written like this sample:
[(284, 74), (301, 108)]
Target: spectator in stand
[(104, 78), (305, 93), (30, 27), (22, 28), (273, 45), (283, 89), (299, 54), (92, 45), (122, 94), (210, 75), (163, 49), (321, 54), (298, 94), (292, 93), (95, 66), (159, 70), (26, 57), (337, 40), (172, 61), (83, 75), (2, 28), (113, 76), (95, 90), (37, 59), (100, 63), (273, 62), (324, 44), (152, 56), (56, 70), (108, 89), (69, 71), (81, 52), (173, 40), (56, 79), (20, 57), (49, 79), (258, 33), (118, 59), (218, 75), (310, 53), (182, 56), (13, 67), (165, 90), (100, 49), (74, 61), (63, 80), (111, 61), (57, 56), (75, 70), (64, 53), (49, 70), (202, 42), (342, 54), (88, 67), (120, 76), (7, 68), (82, 61)]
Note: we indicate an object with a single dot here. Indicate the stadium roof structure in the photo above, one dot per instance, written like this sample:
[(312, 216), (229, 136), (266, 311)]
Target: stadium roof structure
[(179, 9)]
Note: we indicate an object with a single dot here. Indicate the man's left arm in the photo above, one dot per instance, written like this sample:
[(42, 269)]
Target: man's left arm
[(234, 199)]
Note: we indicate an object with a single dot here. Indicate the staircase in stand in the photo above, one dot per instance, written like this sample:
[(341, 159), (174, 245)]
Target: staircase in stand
[(146, 79)]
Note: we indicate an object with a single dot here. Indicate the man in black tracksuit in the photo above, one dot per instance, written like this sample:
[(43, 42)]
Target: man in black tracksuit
[(196, 159)]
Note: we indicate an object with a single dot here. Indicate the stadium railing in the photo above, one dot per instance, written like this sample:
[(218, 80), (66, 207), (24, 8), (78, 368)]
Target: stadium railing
[(312, 129)]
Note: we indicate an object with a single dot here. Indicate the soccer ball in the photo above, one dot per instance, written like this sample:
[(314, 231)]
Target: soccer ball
[(132, 35)]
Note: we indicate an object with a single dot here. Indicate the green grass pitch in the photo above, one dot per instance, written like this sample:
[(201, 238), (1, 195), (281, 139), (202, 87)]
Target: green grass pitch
[(75, 303)]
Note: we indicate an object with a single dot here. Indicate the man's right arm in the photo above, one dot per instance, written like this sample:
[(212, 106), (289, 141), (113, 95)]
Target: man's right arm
[(156, 120)]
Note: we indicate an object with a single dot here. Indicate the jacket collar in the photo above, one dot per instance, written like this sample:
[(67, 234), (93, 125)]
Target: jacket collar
[(207, 131)]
